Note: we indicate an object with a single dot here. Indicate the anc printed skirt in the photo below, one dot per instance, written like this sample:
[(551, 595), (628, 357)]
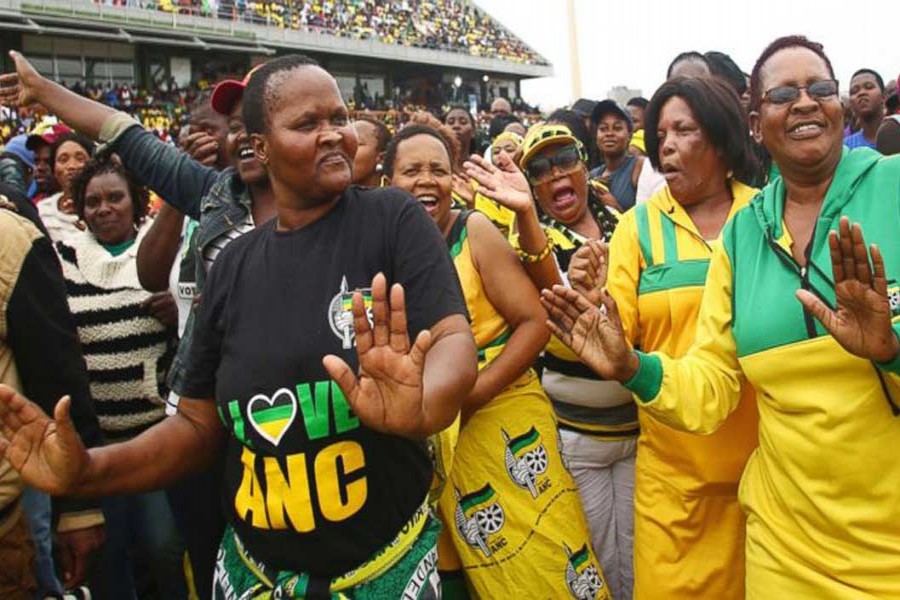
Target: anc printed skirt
[(405, 568), (513, 521)]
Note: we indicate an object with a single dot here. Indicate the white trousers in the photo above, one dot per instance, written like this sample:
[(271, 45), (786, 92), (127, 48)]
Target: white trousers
[(604, 472)]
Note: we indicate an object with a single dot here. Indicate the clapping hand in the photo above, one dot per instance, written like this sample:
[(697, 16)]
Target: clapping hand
[(594, 333), (588, 269), (504, 184), (861, 321), (387, 393)]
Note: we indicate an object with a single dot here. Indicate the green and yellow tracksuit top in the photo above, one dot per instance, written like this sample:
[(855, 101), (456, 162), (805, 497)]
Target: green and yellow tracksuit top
[(688, 526), (822, 491)]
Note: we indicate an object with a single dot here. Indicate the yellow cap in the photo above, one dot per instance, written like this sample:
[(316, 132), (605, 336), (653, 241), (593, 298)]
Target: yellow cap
[(513, 137), (637, 140), (547, 134)]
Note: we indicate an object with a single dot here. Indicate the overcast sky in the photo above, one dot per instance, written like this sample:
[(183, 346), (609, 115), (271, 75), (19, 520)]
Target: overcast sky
[(631, 43)]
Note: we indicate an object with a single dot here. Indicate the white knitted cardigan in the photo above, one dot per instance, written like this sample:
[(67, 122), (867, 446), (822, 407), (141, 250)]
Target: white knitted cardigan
[(126, 349)]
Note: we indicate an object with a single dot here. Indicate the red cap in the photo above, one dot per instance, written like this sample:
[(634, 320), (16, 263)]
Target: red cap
[(46, 135), (228, 92)]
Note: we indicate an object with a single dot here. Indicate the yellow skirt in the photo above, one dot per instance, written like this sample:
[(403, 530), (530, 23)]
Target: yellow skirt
[(686, 546), (511, 509)]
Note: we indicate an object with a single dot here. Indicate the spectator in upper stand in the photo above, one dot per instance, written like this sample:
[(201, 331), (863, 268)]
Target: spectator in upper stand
[(374, 137), (41, 143), (867, 102), (583, 133), (722, 66), (630, 179), (17, 164), (887, 141), (636, 107), (68, 155), (500, 106), (584, 108), (689, 64), (460, 120)]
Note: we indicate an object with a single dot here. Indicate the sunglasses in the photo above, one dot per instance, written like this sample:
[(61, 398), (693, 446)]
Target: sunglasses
[(819, 90), (566, 159)]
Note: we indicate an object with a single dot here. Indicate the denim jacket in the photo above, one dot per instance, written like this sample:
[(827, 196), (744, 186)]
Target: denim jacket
[(219, 200), (12, 173)]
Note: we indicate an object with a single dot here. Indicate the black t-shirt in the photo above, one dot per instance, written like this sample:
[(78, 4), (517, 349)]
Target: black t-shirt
[(308, 487)]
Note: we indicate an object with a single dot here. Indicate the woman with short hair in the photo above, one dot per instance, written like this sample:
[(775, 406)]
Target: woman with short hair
[(321, 413), (688, 527), (800, 306)]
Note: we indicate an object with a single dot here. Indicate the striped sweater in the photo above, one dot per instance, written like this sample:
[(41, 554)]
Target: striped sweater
[(127, 351)]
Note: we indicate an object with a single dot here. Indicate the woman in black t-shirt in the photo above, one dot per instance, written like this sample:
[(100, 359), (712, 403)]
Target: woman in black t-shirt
[(325, 401)]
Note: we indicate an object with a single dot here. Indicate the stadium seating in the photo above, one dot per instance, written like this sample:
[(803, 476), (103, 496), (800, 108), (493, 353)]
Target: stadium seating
[(450, 25)]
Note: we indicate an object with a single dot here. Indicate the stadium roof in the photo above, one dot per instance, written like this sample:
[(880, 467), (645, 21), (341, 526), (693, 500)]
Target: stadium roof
[(82, 18)]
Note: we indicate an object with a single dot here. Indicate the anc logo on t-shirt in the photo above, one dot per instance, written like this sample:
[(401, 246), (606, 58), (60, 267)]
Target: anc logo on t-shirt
[(479, 518), (582, 577), (340, 313), (526, 459), (894, 298)]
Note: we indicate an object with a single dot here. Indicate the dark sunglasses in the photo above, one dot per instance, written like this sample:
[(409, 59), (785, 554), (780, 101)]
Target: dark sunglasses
[(566, 158), (819, 90)]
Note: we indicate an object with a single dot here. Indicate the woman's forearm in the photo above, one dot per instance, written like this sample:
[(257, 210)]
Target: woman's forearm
[(532, 240), (451, 368), (171, 449), (80, 113), (159, 248), (518, 355)]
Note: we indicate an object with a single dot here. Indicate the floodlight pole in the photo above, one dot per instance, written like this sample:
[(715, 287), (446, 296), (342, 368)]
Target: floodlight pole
[(573, 52)]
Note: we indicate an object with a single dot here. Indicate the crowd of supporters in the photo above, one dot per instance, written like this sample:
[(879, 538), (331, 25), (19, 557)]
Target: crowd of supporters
[(452, 25), (307, 352)]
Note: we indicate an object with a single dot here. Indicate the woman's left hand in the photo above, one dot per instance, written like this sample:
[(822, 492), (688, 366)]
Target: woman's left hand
[(861, 323), (162, 307), (387, 394)]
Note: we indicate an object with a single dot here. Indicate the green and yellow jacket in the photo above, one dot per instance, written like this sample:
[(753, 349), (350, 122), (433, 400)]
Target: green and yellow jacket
[(822, 491)]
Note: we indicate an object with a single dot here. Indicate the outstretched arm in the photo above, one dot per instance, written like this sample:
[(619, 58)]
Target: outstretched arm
[(26, 86), (49, 455), (175, 176)]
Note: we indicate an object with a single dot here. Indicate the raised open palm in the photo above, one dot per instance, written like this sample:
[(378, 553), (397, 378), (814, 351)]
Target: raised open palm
[(588, 269), (861, 320), (505, 185), (387, 393), (47, 453), (19, 88), (594, 333)]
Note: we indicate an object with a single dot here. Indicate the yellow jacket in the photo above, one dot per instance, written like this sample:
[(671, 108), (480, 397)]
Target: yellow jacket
[(658, 303), (688, 526), (822, 491)]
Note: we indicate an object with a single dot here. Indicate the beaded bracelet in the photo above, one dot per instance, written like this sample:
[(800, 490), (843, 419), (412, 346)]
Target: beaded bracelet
[(534, 258)]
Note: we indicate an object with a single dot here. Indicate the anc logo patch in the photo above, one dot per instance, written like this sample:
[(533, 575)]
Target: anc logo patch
[(526, 459), (894, 298), (340, 313), (582, 576), (479, 517)]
